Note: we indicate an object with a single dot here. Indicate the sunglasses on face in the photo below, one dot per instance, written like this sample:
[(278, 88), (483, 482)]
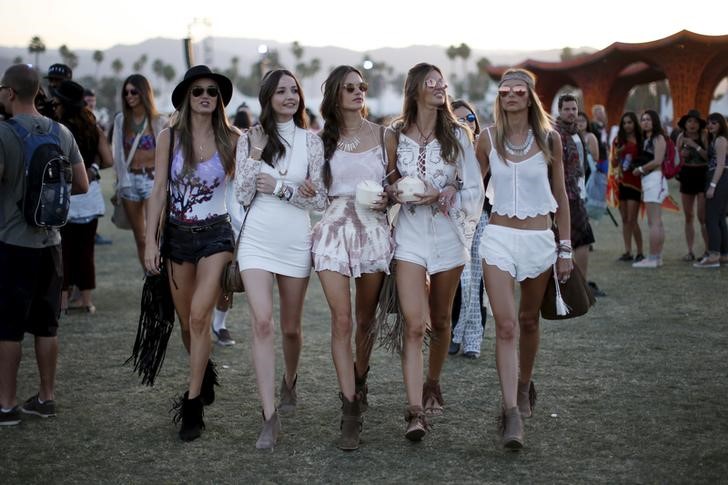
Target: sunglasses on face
[(519, 91), (435, 84), (212, 91), (350, 87), (470, 118), (131, 92)]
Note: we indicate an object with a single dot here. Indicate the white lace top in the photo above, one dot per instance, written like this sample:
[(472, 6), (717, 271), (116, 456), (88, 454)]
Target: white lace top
[(521, 189)]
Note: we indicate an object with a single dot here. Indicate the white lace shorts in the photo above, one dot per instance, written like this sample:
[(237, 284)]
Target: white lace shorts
[(654, 187), (523, 253)]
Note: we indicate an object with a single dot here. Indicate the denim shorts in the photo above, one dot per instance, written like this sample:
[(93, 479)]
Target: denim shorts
[(190, 243), (140, 188)]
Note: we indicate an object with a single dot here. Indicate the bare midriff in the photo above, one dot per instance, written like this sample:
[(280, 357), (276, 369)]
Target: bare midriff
[(536, 223)]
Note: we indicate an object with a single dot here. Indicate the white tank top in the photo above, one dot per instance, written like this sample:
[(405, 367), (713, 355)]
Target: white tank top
[(521, 189)]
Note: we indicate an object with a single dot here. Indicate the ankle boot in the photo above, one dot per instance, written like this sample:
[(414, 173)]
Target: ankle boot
[(268, 436), (351, 423), (417, 425), (512, 428), (361, 388), (288, 396), (432, 400), (526, 398), (190, 413), (209, 381)]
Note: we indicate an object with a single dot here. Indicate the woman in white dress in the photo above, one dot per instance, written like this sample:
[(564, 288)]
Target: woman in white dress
[(279, 180)]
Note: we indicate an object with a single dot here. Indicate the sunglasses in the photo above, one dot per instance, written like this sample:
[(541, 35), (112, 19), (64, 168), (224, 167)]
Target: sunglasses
[(2, 86), (433, 84), (350, 87), (212, 91), (131, 92), (470, 118), (519, 91)]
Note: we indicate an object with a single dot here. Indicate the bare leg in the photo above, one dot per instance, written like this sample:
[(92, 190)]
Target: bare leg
[(292, 292), (442, 292), (633, 208), (336, 289), (413, 300), (367, 296), (46, 355), (688, 202), (657, 230), (10, 353), (701, 221), (581, 259), (626, 228), (181, 284), (532, 291), (136, 213)]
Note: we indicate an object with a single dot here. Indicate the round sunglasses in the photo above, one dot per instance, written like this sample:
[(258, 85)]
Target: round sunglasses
[(350, 87), (470, 118)]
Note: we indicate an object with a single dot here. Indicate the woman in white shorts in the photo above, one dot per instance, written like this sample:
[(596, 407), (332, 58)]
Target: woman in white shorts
[(352, 240), (654, 185), (279, 180), (432, 234), (523, 155)]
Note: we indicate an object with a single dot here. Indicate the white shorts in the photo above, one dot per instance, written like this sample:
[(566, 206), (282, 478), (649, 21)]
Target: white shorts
[(523, 253), (654, 187)]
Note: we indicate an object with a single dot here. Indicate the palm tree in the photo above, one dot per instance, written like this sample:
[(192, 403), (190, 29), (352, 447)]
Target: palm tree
[(169, 73), (158, 69), (452, 52), (117, 66), (17, 60), (98, 58), (464, 53), (36, 47)]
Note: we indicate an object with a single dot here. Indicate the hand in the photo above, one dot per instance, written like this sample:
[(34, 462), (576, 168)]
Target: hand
[(447, 198), (265, 183), (381, 203), (257, 139), (636, 172), (429, 197), (393, 192), (307, 189), (563, 269), (151, 258), (710, 193)]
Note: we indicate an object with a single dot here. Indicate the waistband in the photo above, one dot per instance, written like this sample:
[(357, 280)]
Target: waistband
[(142, 171), (203, 226), (513, 230)]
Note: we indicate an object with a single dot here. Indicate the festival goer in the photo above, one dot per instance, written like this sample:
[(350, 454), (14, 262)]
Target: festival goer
[(433, 233), (692, 143), (351, 241), (716, 194), (574, 160), (30, 257), (198, 240), (468, 312), (78, 235), (133, 143), (524, 158), (654, 185), (279, 180), (625, 151)]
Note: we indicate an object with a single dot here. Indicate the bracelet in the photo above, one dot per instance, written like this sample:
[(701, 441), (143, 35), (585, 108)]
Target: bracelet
[(713, 184), (95, 166), (278, 187), (288, 193), (565, 242), (641, 170), (565, 255)]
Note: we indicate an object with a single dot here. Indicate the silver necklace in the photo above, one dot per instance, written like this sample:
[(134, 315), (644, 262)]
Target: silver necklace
[(353, 142), (283, 171), (518, 150)]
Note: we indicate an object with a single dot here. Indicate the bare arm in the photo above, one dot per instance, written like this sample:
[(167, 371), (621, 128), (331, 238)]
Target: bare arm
[(482, 149), (721, 145), (104, 151), (156, 201), (656, 162), (563, 216), (593, 146)]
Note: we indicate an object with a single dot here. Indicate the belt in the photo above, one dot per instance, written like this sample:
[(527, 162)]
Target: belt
[(142, 171), (209, 224)]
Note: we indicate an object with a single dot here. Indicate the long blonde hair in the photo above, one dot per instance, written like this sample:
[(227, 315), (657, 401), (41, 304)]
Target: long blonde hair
[(538, 119)]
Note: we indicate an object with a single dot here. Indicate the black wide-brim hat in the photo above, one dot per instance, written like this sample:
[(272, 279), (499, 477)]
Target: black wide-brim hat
[(198, 72), (693, 113), (70, 93)]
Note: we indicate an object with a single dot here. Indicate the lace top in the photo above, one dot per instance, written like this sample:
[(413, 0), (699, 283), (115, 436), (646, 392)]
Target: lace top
[(348, 169), (199, 194), (521, 189)]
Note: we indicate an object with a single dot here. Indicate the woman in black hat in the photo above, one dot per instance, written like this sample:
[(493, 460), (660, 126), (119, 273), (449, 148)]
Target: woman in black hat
[(79, 233), (692, 143), (198, 239)]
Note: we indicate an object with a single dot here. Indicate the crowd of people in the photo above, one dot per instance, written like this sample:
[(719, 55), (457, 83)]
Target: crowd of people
[(455, 211)]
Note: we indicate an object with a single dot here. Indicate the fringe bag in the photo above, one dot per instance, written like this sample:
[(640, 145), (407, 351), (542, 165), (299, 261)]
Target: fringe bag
[(156, 318)]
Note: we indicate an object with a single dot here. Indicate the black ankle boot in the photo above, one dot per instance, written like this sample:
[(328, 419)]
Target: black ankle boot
[(190, 413), (209, 381)]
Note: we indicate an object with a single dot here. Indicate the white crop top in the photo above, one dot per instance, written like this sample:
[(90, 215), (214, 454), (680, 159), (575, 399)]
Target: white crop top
[(521, 189)]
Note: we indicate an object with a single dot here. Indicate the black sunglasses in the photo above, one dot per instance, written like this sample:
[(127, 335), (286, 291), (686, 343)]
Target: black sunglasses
[(131, 92), (350, 87), (212, 91)]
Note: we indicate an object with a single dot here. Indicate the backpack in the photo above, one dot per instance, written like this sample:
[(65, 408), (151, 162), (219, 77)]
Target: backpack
[(48, 173), (672, 163)]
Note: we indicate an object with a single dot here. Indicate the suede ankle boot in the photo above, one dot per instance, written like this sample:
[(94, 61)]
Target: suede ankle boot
[(351, 423), (268, 436), (526, 398), (512, 428), (361, 388), (190, 413), (288, 396)]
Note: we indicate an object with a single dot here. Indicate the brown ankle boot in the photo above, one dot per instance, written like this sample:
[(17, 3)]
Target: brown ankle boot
[(432, 400), (269, 434), (512, 428), (526, 398), (417, 425), (288, 396), (361, 388), (351, 423)]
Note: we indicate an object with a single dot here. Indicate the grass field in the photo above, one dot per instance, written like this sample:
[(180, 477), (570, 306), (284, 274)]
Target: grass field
[(633, 392)]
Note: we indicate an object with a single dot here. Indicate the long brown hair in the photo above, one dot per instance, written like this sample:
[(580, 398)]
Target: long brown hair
[(275, 149), (146, 95), (223, 131), (332, 116), (445, 124), (538, 119)]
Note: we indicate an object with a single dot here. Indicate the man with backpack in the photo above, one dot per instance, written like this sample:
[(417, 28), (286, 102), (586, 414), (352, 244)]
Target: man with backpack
[(40, 166)]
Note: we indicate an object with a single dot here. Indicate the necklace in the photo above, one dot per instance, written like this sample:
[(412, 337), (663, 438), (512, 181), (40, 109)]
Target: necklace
[(283, 170), (138, 127), (353, 142), (424, 140), (522, 149)]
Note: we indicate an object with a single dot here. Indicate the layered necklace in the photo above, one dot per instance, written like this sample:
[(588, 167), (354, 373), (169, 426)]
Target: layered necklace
[(519, 150), (138, 127), (353, 142), (284, 131)]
